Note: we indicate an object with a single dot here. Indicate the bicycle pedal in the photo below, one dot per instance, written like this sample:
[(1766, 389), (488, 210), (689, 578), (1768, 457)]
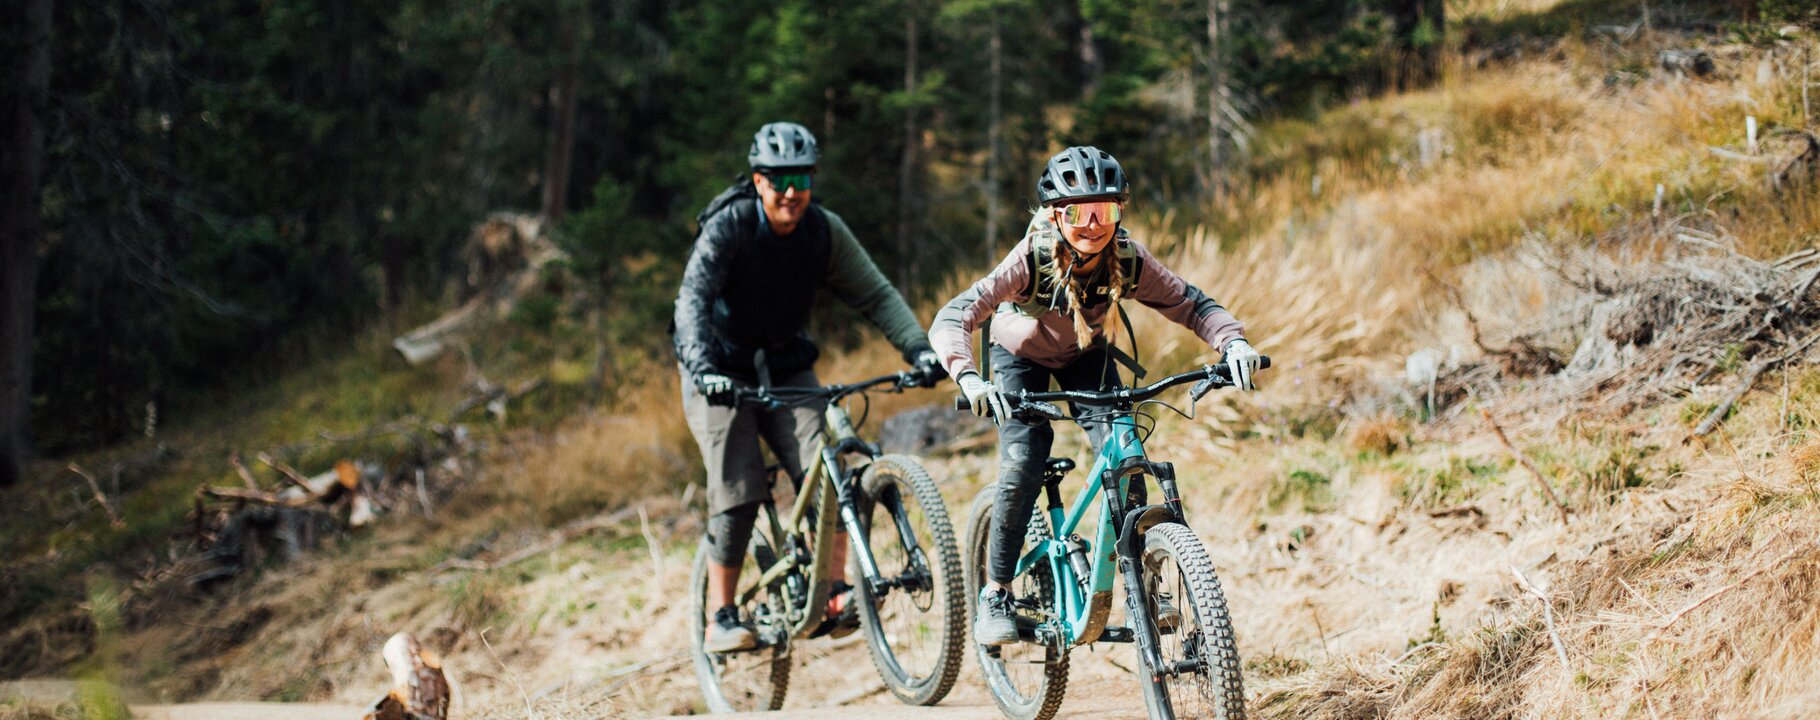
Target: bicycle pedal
[(1117, 634)]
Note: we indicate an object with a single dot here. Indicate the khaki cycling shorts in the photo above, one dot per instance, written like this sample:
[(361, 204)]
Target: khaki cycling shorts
[(728, 438)]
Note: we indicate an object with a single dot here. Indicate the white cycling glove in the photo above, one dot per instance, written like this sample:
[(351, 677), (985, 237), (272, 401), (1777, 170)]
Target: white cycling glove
[(1243, 362), (982, 395)]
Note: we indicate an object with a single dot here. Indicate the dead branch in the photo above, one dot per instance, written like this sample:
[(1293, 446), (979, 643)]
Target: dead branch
[(1739, 157), (287, 471), (113, 518), (246, 476), (1750, 379), (1548, 615), (495, 398), (1547, 489), (1522, 357), (1695, 605), (260, 497)]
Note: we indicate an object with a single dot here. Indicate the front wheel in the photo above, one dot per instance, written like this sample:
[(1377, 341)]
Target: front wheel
[(1027, 679), (753, 680), (915, 626), (1200, 668)]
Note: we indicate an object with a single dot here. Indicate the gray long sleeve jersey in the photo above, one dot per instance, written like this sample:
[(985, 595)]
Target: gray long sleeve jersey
[(1050, 339), (746, 289)]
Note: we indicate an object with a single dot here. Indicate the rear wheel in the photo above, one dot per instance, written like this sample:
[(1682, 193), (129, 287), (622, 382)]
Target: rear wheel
[(752, 680), (1202, 649), (916, 627), (1027, 680)]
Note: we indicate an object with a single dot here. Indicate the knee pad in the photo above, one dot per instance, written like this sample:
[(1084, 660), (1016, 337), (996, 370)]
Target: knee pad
[(728, 533)]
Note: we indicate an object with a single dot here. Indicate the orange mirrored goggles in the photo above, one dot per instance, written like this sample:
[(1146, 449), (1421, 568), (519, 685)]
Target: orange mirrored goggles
[(1081, 214)]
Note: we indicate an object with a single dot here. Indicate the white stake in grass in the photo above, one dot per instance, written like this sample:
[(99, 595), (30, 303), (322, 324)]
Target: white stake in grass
[(1656, 210), (1750, 132)]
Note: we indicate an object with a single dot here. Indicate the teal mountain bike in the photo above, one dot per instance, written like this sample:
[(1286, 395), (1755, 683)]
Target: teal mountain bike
[(1188, 659)]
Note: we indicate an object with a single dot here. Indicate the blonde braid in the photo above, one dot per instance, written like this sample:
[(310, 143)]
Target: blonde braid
[(1083, 333)]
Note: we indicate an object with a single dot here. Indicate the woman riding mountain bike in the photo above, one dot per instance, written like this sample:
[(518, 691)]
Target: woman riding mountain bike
[(1054, 309)]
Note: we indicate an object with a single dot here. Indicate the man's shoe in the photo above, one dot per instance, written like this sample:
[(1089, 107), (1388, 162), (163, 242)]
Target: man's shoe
[(996, 622), (726, 634), (1167, 616)]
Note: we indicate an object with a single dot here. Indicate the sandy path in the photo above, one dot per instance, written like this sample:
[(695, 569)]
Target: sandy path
[(1099, 698), (246, 711)]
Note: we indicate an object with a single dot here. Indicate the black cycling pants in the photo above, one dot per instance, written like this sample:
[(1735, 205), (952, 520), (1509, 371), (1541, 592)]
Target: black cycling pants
[(1023, 448)]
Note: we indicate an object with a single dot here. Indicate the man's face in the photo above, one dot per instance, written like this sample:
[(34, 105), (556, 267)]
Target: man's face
[(785, 193), (1101, 222)]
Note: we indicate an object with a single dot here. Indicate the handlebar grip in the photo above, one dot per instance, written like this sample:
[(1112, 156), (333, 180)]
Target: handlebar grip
[(960, 403), (1263, 361)]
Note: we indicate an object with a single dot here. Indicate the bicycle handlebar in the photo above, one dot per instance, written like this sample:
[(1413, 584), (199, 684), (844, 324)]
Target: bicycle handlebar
[(808, 394), (1209, 377)]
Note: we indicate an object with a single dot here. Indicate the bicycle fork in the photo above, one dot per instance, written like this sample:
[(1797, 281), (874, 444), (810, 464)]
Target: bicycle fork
[(1131, 551)]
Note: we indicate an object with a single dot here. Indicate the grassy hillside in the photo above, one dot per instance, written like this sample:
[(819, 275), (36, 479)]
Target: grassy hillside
[(1385, 556)]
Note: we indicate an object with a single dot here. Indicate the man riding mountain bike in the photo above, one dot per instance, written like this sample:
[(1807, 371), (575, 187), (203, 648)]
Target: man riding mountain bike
[(764, 250)]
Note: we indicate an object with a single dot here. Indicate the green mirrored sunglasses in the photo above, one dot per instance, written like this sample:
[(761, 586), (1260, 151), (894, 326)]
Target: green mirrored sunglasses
[(783, 182)]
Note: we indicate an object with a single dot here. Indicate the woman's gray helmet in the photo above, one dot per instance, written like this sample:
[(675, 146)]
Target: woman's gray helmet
[(782, 145), (1082, 172)]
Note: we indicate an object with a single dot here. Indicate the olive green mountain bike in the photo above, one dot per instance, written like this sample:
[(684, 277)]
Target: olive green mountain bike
[(909, 590)]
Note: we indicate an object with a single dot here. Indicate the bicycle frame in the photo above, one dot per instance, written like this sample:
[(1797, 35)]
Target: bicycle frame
[(819, 487), (1082, 603), (1076, 605)]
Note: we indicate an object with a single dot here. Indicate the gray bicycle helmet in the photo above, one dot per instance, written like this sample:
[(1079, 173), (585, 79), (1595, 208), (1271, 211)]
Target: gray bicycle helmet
[(1082, 172), (782, 145)]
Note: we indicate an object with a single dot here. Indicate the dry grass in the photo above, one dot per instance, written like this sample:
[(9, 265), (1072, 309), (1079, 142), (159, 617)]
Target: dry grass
[(1382, 434)]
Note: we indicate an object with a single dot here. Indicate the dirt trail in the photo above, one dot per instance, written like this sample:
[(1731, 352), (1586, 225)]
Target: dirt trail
[(1099, 698), (241, 711), (49, 693)]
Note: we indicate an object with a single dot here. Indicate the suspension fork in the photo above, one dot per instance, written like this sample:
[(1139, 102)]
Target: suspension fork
[(1131, 566), (847, 497)]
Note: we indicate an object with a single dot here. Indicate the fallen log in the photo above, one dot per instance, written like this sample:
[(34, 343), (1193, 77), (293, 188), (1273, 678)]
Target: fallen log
[(504, 240), (420, 690)]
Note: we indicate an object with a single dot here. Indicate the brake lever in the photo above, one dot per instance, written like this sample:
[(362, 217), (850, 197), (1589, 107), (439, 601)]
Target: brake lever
[(1039, 410), (1200, 390)]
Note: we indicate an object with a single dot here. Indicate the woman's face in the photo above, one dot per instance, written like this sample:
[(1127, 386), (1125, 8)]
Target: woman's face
[(1101, 222), (785, 202)]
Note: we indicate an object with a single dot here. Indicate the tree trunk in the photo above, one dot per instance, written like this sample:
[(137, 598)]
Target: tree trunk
[(1216, 96), (562, 123), (23, 86), (1089, 55), (995, 121), (906, 170), (1418, 26)]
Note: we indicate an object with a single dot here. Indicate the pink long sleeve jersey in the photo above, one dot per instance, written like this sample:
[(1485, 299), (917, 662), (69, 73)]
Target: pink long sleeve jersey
[(1048, 337)]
